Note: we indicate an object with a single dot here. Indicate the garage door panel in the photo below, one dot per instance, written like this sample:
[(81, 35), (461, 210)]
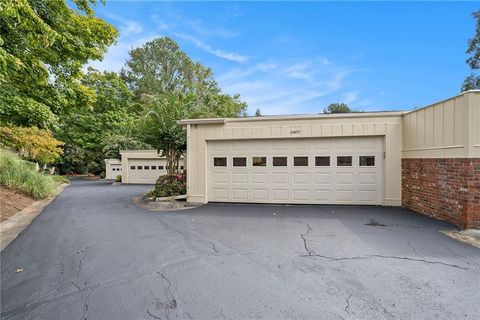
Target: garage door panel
[(322, 195), (221, 194), (220, 177), (323, 182), (260, 194), (260, 177), (301, 195), (280, 177), (240, 194), (345, 178), (280, 194), (238, 177), (301, 178), (323, 178)]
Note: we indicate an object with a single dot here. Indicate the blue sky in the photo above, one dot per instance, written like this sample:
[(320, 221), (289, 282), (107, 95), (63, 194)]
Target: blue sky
[(298, 57)]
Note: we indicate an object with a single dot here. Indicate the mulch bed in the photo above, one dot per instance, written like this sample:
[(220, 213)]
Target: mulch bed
[(12, 202)]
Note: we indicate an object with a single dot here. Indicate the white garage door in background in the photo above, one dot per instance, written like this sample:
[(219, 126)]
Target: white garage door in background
[(145, 170), (316, 170)]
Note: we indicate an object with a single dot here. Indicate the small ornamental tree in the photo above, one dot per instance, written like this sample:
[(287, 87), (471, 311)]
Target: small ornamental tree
[(31, 143), (473, 80), (161, 130)]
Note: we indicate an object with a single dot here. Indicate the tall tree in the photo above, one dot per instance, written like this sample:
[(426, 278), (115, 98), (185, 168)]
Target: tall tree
[(258, 113), (473, 80), (43, 47), (337, 108), (170, 86), (85, 131)]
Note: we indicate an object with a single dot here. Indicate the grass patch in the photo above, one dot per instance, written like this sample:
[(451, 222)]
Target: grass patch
[(20, 175), (60, 179)]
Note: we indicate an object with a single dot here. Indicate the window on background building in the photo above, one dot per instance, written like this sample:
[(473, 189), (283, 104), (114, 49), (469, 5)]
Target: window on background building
[(279, 161), (344, 161), (322, 161), (181, 167), (300, 161), (220, 162), (259, 161), (366, 161), (239, 162)]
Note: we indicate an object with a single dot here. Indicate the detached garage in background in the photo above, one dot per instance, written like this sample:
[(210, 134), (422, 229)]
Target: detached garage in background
[(143, 166), (354, 158), (113, 168)]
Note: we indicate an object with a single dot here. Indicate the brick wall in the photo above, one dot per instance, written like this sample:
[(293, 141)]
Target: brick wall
[(446, 189)]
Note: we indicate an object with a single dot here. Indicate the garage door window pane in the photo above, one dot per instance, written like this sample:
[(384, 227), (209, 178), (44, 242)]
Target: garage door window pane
[(147, 167), (160, 167), (154, 167), (300, 161), (322, 161), (132, 167), (280, 161), (366, 161), (220, 162), (240, 162), (139, 167), (344, 161), (259, 161)]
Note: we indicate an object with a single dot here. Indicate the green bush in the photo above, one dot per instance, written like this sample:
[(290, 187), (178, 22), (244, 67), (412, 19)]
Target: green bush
[(169, 185), (20, 175), (118, 178), (58, 178)]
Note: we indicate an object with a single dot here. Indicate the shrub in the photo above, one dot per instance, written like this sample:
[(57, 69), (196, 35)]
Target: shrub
[(58, 178), (102, 175), (169, 185), (20, 175), (118, 178)]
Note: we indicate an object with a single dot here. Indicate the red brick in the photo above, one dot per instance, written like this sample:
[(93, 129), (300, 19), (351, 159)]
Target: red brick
[(446, 189)]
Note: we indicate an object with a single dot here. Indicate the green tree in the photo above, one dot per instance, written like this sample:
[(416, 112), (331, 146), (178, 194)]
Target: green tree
[(85, 131), (161, 130), (258, 113), (337, 108), (31, 143), (169, 86), (473, 80), (43, 47)]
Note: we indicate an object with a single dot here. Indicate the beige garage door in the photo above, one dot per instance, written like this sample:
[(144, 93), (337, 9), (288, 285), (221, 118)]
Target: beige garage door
[(320, 171), (145, 170)]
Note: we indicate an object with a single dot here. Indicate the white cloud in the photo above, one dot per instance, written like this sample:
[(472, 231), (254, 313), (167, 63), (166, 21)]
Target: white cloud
[(231, 56), (297, 87)]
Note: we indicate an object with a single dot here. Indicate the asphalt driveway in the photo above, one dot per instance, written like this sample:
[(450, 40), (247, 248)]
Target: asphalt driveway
[(92, 254)]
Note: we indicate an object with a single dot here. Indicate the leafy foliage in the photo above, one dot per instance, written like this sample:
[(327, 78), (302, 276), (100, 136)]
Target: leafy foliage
[(337, 108), (473, 80), (161, 130), (170, 87), (43, 47), (169, 185), (20, 175), (31, 143), (258, 113), (85, 131)]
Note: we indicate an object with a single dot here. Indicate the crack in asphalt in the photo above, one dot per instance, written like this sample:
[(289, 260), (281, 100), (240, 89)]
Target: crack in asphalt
[(384, 257), (309, 251), (84, 314), (413, 249), (153, 316), (348, 303), (213, 246)]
